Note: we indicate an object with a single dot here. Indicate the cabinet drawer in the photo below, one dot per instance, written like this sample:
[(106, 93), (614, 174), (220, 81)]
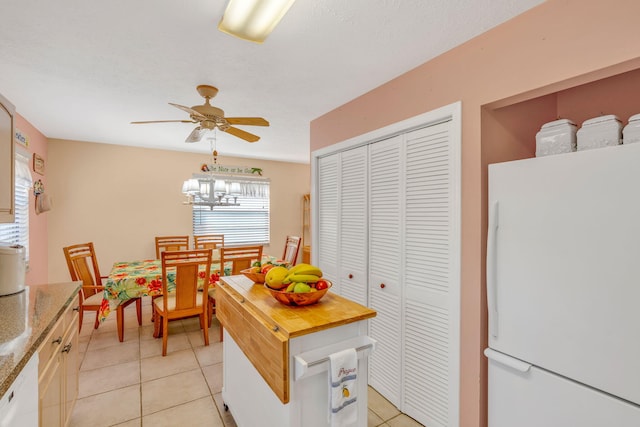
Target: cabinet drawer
[(51, 346), (260, 340)]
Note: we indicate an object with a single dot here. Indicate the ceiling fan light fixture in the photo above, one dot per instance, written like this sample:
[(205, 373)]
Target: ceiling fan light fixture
[(253, 20)]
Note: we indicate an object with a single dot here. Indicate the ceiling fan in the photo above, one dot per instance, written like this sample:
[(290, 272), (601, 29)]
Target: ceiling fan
[(209, 117)]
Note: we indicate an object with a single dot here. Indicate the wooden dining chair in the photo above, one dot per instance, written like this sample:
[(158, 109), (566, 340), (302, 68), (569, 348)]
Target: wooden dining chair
[(186, 301), (208, 241), (171, 243), (291, 248), (240, 258), (83, 266)]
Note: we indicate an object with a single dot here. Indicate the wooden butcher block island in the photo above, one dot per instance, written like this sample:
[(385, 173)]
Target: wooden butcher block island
[(285, 345)]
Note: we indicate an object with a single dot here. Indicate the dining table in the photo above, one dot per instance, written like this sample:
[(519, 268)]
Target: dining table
[(134, 279)]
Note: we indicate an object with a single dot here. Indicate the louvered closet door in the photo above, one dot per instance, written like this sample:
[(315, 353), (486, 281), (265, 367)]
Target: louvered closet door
[(385, 243), (353, 225), (430, 339), (328, 217)]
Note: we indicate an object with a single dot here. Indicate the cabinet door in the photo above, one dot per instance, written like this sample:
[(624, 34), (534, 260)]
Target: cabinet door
[(6, 162), (71, 366), (353, 225), (328, 218), (385, 262), (50, 393)]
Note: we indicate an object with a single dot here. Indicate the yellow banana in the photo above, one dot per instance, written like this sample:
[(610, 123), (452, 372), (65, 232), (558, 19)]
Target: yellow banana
[(308, 278), (305, 269)]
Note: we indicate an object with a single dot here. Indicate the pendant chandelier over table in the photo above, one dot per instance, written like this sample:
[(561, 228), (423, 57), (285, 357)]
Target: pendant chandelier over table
[(212, 188)]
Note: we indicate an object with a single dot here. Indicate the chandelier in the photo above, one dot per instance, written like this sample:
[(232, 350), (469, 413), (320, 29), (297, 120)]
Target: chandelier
[(210, 190)]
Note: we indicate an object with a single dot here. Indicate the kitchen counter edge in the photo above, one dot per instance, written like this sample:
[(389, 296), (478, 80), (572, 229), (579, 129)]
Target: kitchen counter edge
[(46, 303)]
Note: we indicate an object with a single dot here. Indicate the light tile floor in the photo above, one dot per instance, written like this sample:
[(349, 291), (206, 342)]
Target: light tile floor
[(130, 384)]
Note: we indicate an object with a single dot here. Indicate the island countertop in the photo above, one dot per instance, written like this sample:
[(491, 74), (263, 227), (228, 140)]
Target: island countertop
[(25, 320), (331, 311)]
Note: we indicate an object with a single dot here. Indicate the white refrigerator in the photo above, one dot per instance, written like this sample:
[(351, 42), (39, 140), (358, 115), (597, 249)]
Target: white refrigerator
[(563, 290)]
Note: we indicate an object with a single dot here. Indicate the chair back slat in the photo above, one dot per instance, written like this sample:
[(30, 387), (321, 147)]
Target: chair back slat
[(83, 266), (240, 258), (187, 266), (291, 248), (171, 243), (208, 241)]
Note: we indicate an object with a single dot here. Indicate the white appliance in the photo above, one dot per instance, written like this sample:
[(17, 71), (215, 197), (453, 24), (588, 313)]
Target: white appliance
[(563, 290), (12, 268), (19, 405)]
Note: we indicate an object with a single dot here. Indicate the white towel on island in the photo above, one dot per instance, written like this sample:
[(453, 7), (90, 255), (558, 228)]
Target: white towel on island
[(343, 379)]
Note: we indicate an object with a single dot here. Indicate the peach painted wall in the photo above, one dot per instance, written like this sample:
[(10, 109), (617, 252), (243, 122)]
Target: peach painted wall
[(122, 197), (37, 223), (552, 47)]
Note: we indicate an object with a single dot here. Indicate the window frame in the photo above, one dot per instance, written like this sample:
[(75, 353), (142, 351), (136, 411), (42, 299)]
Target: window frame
[(17, 232)]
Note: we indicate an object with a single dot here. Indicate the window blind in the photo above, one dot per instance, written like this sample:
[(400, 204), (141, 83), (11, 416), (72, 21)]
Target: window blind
[(246, 224), (18, 231)]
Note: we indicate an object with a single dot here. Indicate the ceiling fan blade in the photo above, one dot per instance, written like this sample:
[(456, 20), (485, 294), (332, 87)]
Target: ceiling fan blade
[(189, 110), (164, 121), (242, 134), (196, 134), (249, 121)]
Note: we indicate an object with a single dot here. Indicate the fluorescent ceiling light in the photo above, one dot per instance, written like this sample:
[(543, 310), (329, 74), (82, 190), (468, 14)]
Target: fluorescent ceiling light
[(253, 20)]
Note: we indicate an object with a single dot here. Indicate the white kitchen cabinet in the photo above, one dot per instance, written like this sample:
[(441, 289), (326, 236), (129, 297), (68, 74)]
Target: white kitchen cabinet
[(408, 227), (276, 357), (7, 172), (58, 370)]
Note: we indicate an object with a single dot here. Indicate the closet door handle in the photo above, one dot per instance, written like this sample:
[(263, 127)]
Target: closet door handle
[(382, 286), (350, 276)]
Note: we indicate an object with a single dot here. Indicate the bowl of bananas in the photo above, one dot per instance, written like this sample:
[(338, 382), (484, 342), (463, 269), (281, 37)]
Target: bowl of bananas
[(297, 286), (303, 294)]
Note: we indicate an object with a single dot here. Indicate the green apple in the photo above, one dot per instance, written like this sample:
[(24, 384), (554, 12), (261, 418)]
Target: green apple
[(301, 288)]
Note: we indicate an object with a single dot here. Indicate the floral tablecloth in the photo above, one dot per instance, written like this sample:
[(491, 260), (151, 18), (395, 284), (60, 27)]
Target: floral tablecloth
[(133, 279)]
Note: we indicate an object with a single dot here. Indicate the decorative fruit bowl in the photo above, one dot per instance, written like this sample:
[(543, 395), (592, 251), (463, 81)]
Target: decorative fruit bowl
[(256, 277), (298, 299)]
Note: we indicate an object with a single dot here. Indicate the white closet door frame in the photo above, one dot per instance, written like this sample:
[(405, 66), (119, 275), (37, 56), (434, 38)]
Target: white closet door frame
[(453, 113)]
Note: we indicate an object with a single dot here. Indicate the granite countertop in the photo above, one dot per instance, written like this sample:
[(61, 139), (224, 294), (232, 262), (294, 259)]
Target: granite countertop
[(25, 320)]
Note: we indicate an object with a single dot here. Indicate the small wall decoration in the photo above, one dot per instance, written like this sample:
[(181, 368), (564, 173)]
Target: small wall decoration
[(38, 187), (38, 164), (21, 138), (237, 170)]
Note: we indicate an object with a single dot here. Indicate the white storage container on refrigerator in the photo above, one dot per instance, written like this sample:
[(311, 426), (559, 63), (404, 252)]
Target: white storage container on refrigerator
[(556, 137), (600, 132), (631, 132)]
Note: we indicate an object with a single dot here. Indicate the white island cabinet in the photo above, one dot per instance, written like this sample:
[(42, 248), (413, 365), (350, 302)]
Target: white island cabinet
[(276, 357)]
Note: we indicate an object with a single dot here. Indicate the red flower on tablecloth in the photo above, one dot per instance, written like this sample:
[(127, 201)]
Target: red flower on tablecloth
[(104, 308), (202, 274), (214, 278), (155, 287), (141, 281)]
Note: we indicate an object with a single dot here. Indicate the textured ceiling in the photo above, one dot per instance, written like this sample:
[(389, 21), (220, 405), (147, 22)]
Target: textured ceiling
[(82, 70)]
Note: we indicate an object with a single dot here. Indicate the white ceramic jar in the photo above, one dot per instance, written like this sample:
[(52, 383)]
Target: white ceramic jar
[(600, 132), (631, 132), (556, 137)]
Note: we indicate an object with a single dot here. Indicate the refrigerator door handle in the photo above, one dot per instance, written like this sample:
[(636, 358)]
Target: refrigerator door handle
[(492, 301), (508, 361)]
